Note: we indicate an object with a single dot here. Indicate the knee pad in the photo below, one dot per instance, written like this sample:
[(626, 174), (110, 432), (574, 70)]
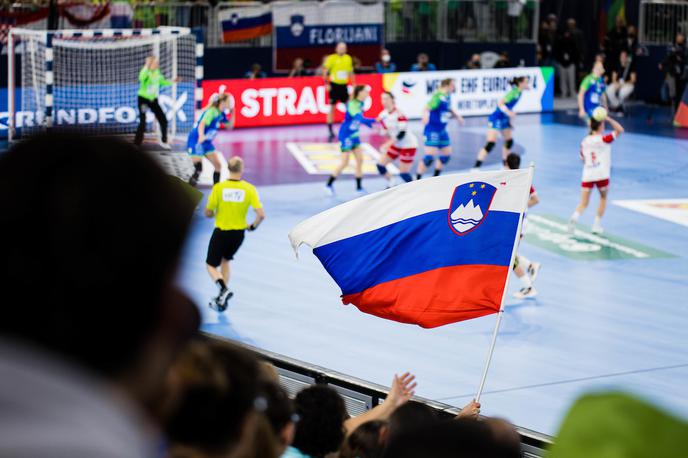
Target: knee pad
[(444, 159), (427, 160), (489, 146), (382, 169), (509, 143)]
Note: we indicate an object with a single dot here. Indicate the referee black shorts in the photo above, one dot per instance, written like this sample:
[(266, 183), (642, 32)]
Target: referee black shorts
[(223, 245), (338, 93)]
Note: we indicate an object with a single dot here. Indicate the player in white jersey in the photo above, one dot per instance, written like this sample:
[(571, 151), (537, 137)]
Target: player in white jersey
[(526, 270), (401, 143), (596, 154)]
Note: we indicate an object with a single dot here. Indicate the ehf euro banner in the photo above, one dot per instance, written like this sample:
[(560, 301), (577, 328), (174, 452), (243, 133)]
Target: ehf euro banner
[(311, 30), (477, 91), (430, 252)]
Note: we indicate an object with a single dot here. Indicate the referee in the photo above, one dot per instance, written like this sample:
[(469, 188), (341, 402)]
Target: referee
[(228, 204), (338, 69)]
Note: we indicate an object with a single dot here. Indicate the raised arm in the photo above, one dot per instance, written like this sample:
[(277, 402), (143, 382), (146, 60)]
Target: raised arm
[(401, 391), (618, 128)]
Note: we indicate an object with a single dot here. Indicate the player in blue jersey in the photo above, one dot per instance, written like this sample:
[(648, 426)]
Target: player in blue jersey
[(500, 121), (437, 114), (200, 141), (349, 140), (591, 93)]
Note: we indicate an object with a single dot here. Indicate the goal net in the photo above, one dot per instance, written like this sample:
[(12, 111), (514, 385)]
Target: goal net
[(87, 80)]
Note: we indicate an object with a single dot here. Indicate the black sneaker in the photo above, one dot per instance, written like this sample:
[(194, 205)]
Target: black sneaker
[(223, 299)]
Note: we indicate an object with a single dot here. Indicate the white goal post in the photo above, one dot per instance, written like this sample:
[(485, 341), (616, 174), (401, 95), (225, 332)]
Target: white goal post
[(87, 80)]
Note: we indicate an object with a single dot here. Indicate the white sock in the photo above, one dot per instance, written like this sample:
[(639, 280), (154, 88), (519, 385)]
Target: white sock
[(598, 220), (525, 281), (575, 216), (525, 262)]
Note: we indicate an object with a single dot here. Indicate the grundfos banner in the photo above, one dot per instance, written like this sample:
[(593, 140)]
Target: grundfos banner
[(101, 110), (294, 101)]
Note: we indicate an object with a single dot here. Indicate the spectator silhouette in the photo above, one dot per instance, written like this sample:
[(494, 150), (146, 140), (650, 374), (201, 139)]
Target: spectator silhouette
[(84, 347)]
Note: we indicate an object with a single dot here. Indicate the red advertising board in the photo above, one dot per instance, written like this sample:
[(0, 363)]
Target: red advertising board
[(285, 101)]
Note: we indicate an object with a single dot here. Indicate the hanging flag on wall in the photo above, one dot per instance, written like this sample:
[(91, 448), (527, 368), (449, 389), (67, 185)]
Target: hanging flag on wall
[(245, 23)]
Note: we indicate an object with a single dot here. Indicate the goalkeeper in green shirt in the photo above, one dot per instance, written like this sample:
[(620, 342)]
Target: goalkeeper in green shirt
[(150, 81)]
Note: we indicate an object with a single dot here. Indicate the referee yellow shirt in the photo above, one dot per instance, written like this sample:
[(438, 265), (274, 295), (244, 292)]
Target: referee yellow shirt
[(230, 201), (339, 68)]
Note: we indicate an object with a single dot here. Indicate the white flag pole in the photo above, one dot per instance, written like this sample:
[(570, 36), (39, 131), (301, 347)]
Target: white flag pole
[(483, 379)]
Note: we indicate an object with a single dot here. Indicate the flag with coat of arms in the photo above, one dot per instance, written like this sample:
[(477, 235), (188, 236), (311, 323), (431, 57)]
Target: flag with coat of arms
[(430, 252)]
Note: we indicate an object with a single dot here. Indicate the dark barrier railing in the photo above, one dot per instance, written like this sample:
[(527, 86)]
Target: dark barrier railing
[(360, 395)]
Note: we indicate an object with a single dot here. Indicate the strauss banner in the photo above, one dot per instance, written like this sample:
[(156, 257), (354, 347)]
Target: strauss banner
[(294, 101)]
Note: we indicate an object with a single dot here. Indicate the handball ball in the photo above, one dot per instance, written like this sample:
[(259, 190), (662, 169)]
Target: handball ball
[(599, 114)]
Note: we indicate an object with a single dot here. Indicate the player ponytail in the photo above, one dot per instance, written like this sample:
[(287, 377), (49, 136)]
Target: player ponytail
[(216, 99), (594, 125), (517, 80), (358, 90)]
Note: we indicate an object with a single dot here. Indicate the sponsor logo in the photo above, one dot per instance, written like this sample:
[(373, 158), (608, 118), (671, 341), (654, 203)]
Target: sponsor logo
[(323, 158), (674, 210), (282, 101), (407, 86), (100, 115), (550, 233), (469, 206)]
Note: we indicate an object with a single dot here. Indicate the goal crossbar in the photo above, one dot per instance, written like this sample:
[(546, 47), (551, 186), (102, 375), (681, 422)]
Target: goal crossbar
[(44, 80)]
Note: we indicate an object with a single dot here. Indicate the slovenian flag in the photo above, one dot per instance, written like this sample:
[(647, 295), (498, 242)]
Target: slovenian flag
[(245, 23), (430, 252)]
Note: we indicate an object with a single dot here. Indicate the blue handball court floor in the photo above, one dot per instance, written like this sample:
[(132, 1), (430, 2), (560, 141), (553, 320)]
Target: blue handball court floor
[(612, 311)]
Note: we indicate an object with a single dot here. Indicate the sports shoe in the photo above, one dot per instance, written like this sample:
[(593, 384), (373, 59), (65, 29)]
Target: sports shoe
[(214, 304), (361, 192), (525, 293), (223, 299), (330, 137), (533, 270), (164, 145), (571, 226), (597, 229), (329, 190), (193, 181)]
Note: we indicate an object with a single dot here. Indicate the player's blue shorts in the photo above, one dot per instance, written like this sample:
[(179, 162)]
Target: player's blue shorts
[(349, 143), (499, 122), (200, 149), (589, 109), (436, 138)]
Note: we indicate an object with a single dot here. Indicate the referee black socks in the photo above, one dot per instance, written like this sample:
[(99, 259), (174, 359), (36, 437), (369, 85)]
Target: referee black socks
[(221, 284), (478, 163), (437, 172), (216, 177), (359, 185), (331, 180)]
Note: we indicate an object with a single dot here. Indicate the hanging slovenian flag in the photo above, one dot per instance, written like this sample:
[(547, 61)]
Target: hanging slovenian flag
[(430, 252), (245, 23)]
